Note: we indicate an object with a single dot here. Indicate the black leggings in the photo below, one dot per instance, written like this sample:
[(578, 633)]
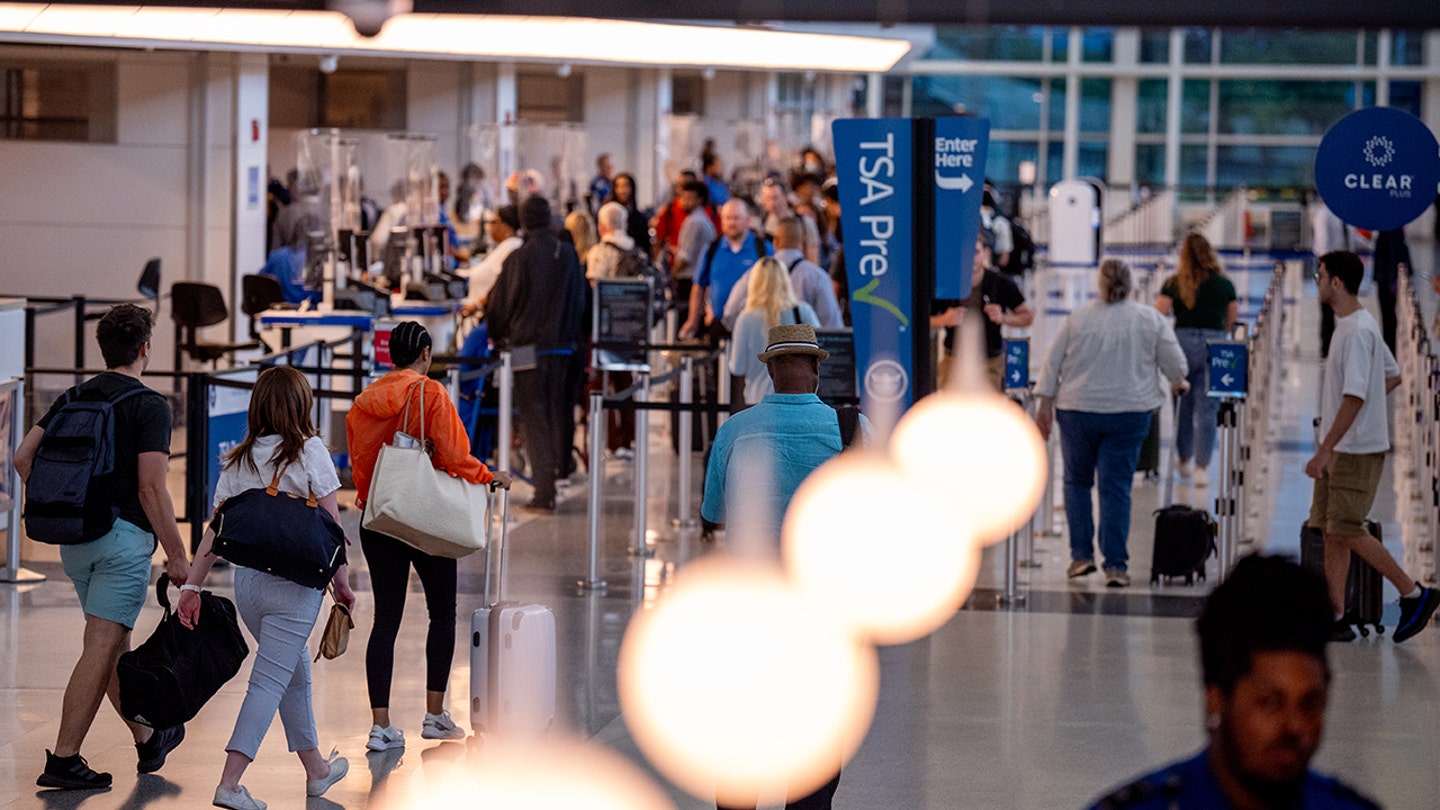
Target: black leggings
[(389, 561)]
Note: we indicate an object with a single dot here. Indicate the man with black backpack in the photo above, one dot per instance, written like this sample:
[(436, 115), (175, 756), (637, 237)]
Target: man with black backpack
[(725, 261), (95, 471)]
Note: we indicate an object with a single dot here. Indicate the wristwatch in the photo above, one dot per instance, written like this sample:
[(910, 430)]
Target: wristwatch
[(188, 587)]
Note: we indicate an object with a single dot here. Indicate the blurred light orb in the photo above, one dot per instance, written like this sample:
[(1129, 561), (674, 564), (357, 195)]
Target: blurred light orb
[(979, 454), (734, 684), (538, 775), (878, 550)]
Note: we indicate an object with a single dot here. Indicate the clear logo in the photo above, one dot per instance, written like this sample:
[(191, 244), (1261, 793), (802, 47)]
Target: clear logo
[(1379, 151), (886, 381)]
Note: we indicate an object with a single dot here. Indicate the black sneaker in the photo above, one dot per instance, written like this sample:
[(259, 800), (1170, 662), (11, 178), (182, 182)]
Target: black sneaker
[(539, 504), (1341, 632), (71, 773), (152, 752), (1415, 613)]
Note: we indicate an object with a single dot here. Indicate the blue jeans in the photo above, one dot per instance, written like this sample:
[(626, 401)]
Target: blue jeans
[(1109, 443), (1195, 421)]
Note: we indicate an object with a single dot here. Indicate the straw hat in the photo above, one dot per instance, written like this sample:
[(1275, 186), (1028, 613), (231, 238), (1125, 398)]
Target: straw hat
[(792, 339)]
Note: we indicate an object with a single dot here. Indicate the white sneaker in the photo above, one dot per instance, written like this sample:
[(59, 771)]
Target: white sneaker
[(236, 800), (1182, 468), (384, 739), (441, 727), (1202, 478), (339, 766)]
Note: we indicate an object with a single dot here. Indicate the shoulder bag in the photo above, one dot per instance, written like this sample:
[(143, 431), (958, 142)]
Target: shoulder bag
[(417, 504), (335, 639), (279, 533)]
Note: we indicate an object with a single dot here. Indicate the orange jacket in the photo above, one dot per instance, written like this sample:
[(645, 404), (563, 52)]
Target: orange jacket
[(377, 414)]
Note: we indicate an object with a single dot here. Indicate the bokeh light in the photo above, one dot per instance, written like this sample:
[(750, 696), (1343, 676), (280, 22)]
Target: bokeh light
[(735, 685), (877, 550), (977, 453), (537, 775)]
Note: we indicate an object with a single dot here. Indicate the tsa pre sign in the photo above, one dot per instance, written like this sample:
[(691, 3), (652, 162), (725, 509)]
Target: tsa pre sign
[(1229, 371), (1378, 168), (960, 147), (873, 158)]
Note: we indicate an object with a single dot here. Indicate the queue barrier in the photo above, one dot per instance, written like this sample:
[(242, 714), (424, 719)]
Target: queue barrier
[(1417, 436)]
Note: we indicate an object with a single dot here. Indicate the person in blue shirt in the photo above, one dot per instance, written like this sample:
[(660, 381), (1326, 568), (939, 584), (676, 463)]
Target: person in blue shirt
[(603, 185), (721, 266), (1267, 682), (762, 453), (714, 173)]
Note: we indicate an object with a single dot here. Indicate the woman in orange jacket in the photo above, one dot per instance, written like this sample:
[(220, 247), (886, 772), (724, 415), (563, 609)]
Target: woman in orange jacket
[(377, 414)]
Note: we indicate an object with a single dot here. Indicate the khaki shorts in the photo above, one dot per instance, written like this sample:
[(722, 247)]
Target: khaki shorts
[(1345, 492), (994, 372)]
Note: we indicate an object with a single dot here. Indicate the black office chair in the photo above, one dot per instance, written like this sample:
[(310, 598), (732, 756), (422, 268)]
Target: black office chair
[(149, 283), (194, 305), (259, 293)]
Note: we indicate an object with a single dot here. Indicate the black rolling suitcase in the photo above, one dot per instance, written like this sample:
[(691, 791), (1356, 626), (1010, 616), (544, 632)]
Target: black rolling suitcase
[(1364, 587), (1184, 536)]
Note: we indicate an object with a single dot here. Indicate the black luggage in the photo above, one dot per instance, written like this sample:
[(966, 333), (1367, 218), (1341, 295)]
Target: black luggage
[(1364, 587), (165, 681), (1184, 541)]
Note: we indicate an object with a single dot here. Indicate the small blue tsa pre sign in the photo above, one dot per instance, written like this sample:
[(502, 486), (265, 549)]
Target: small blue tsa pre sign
[(1378, 169)]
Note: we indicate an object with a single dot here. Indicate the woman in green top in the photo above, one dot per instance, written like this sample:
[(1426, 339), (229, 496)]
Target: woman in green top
[(1203, 302)]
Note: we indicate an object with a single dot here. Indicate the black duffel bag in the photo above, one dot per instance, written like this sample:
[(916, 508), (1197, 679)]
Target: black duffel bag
[(281, 534), (165, 681)]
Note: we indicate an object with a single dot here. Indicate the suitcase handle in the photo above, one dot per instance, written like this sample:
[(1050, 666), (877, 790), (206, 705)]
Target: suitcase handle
[(490, 546)]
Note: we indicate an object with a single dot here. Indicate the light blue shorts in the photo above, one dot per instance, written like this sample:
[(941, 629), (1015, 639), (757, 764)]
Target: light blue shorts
[(111, 573)]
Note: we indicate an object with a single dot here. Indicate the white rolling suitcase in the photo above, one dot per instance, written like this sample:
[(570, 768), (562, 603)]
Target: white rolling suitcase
[(512, 655)]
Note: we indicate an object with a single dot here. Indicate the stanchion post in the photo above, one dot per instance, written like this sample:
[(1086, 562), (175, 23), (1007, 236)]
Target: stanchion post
[(640, 549), (592, 583), (1012, 595), (505, 429), (722, 370), (686, 431)]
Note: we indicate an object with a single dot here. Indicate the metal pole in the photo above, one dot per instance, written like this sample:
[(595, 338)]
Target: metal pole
[(1012, 595), (594, 520), (640, 550), (723, 376), (686, 430), (1046, 513), (452, 381), (505, 429)]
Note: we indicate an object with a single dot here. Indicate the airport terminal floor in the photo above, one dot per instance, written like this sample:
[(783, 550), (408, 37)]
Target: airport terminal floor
[(1045, 705)]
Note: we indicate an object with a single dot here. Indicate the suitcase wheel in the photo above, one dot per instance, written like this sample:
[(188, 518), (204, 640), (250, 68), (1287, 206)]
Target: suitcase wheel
[(1364, 631), (1379, 629), (1189, 579)]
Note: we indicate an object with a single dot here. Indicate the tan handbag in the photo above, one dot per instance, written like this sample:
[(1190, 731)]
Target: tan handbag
[(336, 637), (427, 508)]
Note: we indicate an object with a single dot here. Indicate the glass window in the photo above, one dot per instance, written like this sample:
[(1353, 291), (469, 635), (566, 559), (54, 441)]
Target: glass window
[(1094, 105), (1150, 163), (1005, 43), (1265, 46), (1093, 159), (1098, 45), (1002, 161), (1154, 46), (1367, 95), (1407, 48), (58, 102), (1406, 96), (1372, 47), (1197, 45), (1009, 102), (1192, 165), (1057, 105), (1283, 107), (1150, 102), (1059, 44), (1265, 166), (1055, 162), (1195, 106)]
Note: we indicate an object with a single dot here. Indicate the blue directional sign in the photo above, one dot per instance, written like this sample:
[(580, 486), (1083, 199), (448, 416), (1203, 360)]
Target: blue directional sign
[(960, 148), (1229, 369), (874, 162), (1378, 168), (1017, 363)]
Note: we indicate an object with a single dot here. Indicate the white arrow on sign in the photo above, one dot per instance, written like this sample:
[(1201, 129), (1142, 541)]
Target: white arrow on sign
[(963, 183), (1227, 379), (1015, 376)]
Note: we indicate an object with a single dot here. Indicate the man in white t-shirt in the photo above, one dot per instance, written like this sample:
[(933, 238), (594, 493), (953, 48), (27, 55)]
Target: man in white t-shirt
[(1347, 465)]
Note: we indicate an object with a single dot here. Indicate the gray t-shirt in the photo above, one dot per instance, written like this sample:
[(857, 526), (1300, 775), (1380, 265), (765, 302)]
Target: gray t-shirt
[(1107, 358), (696, 234)]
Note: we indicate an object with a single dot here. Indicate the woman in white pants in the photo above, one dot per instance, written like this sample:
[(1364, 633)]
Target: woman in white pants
[(278, 612)]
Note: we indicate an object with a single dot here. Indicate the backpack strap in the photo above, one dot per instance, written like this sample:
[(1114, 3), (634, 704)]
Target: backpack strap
[(710, 253), (795, 311), (848, 416), (793, 265)]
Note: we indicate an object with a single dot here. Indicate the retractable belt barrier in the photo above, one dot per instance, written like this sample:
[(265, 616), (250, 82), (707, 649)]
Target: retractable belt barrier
[(1417, 435)]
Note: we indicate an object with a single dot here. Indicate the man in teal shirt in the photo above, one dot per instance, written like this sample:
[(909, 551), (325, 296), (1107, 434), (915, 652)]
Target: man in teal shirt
[(770, 448)]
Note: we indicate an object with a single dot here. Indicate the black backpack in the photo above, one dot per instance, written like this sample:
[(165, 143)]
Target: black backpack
[(1022, 255), (1184, 540), (634, 264), (69, 497)]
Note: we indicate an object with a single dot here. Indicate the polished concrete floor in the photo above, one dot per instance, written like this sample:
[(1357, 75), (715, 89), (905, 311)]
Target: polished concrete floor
[(1043, 705)]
